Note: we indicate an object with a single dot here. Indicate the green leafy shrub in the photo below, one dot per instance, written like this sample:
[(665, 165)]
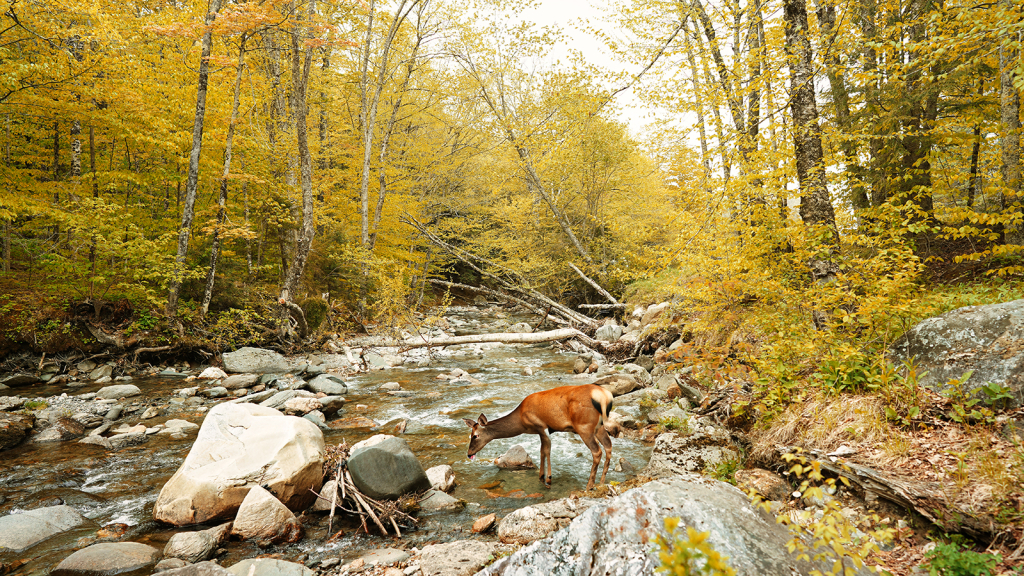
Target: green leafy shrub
[(724, 470), (952, 560), (315, 310), (689, 556)]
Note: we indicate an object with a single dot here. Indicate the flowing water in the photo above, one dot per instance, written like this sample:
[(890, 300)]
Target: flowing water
[(119, 488)]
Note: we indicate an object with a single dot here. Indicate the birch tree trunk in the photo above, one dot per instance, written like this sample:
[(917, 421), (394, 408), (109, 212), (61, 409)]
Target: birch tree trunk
[(1009, 115), (193, 163), (301, 63), (223, 197), (815, 205)]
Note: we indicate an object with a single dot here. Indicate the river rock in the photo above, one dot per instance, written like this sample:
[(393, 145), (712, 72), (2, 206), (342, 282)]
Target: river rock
[(384, 557), (299, 406), (104, 371), (61, 430), (768, 484), (18, 379), (278, 400), (108, 558), (480, 300), (381, 360), (642, 376), (608, 333), (389, 386), (263, 518), (331, 404), (239, 381), (328, 384), (207, 568), (196, 546), (441, 478), (618, 384), (484, 523), (520, 327), (986, 339), (22, 531), (653, 312), (14, 428), (387, 470), (176, 426), (435, 500), (255, 360), (615, 536), (666, 382), (269, 567), (212, 373), (353, 422), (531, 523), (460, 558), (703, 449), (327, 493), (515, 458), (118, 391), (214, 392), (240, 446), (317, 417)]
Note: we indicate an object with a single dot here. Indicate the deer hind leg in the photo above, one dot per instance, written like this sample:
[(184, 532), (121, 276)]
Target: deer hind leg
[(545, 458), (606, 441)]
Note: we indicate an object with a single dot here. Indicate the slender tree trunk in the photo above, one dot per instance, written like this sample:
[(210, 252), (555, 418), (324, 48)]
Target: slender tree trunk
[(223, 197), (301, 63), (245, 216), (1009, 116), (815, 205), (723, 151), (95, 197), (7, 223), (877, 187), (193, 163)]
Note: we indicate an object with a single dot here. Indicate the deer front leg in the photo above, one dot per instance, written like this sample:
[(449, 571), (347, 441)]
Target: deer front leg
[(606, 441), (595, 451), (545, 458)]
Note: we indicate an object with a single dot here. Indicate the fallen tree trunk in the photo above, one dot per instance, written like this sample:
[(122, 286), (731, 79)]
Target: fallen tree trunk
[(926, 498), (503, 338), (602, 306), (500, 295), (596, 286)]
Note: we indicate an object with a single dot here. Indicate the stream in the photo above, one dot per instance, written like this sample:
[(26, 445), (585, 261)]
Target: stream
[(117, 490)]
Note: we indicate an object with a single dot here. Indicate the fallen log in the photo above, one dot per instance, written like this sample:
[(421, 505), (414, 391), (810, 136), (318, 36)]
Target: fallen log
[(602, 306), (500, 295), (596, 286), (926, 498), (503, 338)]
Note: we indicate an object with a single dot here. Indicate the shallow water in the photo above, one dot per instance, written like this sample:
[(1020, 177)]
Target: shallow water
[(121, 487)]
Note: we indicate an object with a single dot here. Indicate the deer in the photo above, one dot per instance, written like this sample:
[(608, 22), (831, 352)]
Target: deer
[(580, 409)]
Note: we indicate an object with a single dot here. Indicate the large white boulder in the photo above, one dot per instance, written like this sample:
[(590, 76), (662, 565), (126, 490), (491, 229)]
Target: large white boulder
[(240, 446), (255, 360)]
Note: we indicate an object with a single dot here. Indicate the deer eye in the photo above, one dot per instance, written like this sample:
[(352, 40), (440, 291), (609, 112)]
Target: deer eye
[(474, 437)]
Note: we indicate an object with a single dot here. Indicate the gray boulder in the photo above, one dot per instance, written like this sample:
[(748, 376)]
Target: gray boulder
[(653, 312), (200, 569), (278, 400), (384, 557), (263, 518), (461, 558), (196, 546), (108, 558), (61, 430), (269, 567), (328, 384), (639, 373), (618, 384), (328, 493), (118, 391), (331, 404), (615, 537), (386, 470), (104, 371), (515, 458), (704, 448), (18, 379), (14, 428), (22, 531), (441, 478), (238, 381), (531, 523), (988, 340), (608, 333), (520, 327), (255, 360), (435, 500)]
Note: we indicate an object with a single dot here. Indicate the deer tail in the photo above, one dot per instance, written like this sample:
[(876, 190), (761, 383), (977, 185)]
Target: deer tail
[(602, 401)]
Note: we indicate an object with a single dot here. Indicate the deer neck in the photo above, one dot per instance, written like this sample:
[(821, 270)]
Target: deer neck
[(506, 426)]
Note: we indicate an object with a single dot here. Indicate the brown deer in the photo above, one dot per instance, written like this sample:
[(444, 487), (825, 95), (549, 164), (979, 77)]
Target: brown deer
[(580, 409)]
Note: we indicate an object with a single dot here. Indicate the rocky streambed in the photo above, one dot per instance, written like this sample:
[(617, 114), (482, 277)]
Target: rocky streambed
[(104, 443)]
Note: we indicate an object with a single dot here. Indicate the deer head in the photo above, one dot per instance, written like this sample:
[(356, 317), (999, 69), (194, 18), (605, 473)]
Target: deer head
[(478, 436)]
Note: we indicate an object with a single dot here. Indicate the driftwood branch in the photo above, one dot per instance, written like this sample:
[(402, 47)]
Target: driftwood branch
[(596, 286), (518, 287), (296, 312), (602, 306), (504, 338)]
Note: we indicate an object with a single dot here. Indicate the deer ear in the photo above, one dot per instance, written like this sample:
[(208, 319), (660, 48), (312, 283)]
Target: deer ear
[(482, 420), (469, 422)]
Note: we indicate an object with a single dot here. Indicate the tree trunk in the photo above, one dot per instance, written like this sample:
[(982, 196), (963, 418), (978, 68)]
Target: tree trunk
[(815, 205), (1009, 108), (7, 223), (301, 62), (185, 229), (223, 198)]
